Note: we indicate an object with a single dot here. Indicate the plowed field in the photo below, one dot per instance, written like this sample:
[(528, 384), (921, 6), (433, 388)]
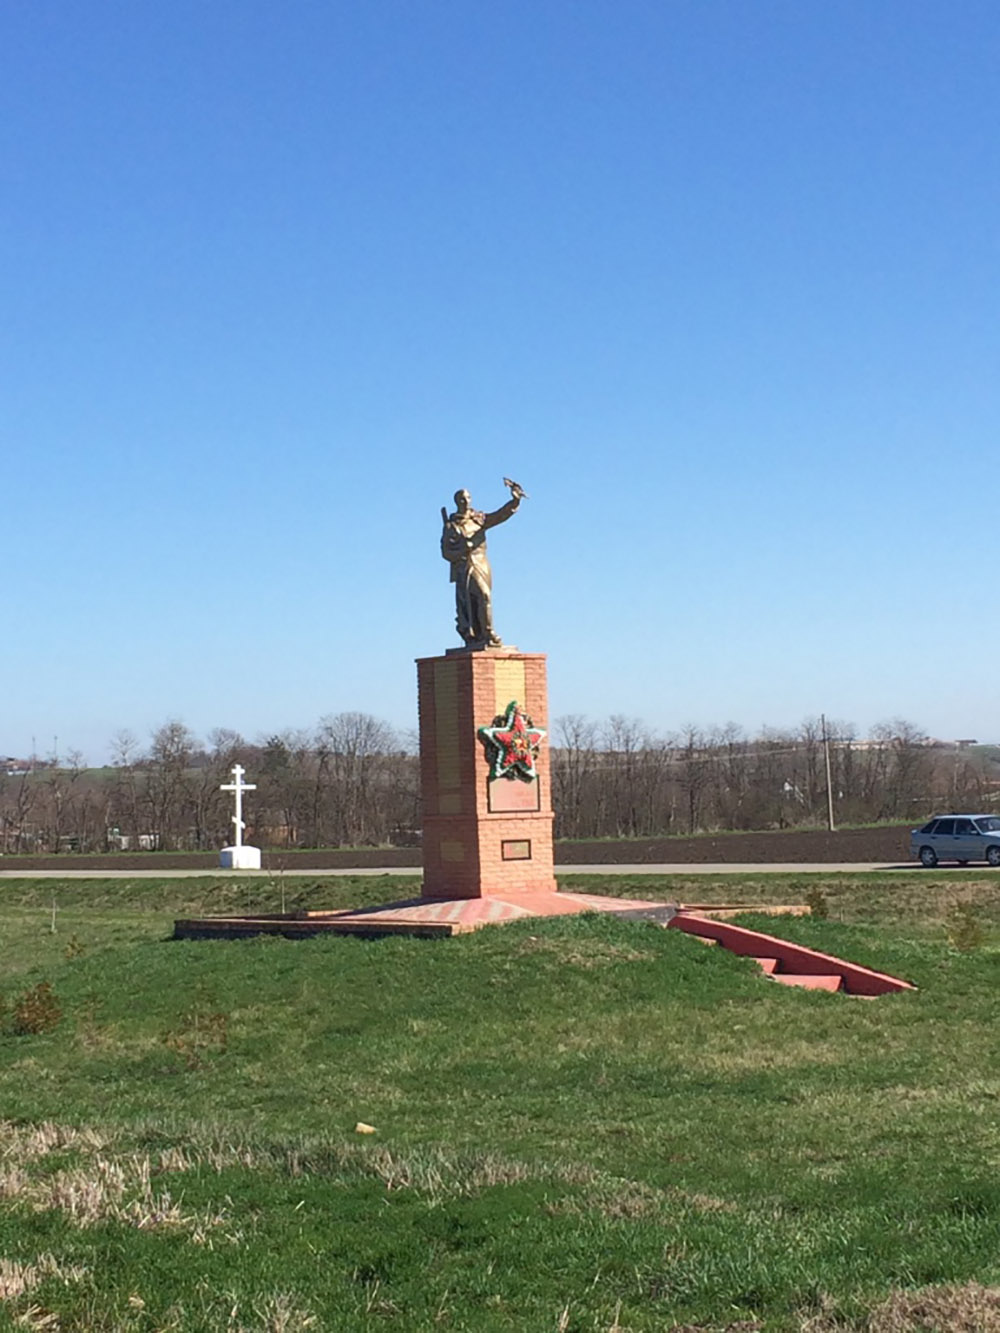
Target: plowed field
[(888, 843)]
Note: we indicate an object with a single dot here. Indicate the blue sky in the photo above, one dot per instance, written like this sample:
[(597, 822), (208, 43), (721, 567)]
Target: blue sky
[(717, 282)]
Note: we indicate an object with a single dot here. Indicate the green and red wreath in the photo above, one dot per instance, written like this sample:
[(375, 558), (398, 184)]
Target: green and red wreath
[(511, 744)]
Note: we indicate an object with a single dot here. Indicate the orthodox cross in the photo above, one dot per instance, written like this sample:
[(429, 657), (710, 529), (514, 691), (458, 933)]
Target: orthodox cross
[(238, 786)]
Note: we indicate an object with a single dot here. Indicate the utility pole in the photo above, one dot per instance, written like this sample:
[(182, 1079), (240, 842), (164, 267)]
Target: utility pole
[(829, 779)]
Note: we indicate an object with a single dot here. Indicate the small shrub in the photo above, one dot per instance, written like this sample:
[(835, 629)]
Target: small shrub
[(74, 949), (37, 1010), (818, 904), (964, 929), (197, 1036)]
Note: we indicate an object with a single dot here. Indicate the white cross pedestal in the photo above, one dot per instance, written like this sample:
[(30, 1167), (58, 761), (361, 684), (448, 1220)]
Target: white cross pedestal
[(239, 857)]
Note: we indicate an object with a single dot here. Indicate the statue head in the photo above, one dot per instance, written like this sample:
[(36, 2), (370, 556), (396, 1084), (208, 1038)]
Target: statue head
[(463, 501)]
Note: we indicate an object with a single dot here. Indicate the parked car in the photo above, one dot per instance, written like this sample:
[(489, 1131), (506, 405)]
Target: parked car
[(961, 838)]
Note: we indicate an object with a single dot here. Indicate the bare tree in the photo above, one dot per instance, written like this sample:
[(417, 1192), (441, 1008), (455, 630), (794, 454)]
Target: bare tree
[(210, 807), (286, 786), (573, 763), (124, 812), (355, 750), (908, 771), (59, 788), (18, 793), (694, 765), (168, 785)]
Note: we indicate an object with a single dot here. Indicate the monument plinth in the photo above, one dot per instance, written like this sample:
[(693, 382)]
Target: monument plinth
[(485, 774)]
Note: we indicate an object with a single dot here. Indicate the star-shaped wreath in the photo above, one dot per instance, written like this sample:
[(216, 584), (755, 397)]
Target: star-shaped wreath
[(512, 744)]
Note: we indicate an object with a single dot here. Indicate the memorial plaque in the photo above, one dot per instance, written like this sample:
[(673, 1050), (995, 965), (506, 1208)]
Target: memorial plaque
[(507, 795), (516, 849)]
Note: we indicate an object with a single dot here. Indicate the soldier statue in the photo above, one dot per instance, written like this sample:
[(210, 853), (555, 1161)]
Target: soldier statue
[(463, 545)]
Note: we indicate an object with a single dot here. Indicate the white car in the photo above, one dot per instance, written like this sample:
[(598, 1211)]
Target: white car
[(961, 838)]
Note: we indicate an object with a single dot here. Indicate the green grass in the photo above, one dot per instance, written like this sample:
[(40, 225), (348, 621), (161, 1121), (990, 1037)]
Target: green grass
[(913, 903), (581, 1123)]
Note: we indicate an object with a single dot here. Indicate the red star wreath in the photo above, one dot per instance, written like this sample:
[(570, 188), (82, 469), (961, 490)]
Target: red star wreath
[(512, 744)]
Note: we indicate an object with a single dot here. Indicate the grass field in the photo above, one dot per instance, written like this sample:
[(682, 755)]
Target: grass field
[(580, 1123)]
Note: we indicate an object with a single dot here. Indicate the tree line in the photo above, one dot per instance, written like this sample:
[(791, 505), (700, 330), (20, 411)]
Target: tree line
[(353, 780), (617, 779), (350, 781)]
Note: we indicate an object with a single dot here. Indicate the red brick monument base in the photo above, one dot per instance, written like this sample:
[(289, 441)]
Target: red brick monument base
[(483, 836)]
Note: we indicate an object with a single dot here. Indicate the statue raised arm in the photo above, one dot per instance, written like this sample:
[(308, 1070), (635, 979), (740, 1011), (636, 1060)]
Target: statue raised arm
[(463, 545)]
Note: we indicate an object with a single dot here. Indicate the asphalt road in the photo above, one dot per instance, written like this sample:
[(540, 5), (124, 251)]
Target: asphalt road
[(780, 868)]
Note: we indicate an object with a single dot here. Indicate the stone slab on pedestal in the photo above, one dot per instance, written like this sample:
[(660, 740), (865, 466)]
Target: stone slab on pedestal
[(240, 858), (481, 836)]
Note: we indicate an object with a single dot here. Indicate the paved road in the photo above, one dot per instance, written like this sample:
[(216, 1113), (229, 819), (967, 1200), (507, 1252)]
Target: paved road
[(785, 868)]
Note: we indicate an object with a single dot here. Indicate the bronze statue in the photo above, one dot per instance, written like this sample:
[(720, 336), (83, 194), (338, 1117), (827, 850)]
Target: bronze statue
[(463, 545)]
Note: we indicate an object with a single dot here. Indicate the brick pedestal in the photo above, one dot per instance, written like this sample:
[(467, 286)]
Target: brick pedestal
[(481, 836)]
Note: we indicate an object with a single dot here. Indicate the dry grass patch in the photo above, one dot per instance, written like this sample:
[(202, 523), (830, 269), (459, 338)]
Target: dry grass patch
[(121, 1191), (621, 1199), (372, 1092), (24, 1142), (100, 1187), (438, 1176), (740, 1326), (593, 953), (17, 1280), (103, 1190), (960, 1308), (275, 1312), (104, 1184), (736, 1053), (281, 1312)]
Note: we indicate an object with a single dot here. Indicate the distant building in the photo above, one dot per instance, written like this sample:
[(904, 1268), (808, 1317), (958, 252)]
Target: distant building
[(124, 842)]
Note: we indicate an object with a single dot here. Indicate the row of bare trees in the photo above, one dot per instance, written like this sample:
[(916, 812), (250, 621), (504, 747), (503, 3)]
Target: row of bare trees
[(353, 780), (617, 779)]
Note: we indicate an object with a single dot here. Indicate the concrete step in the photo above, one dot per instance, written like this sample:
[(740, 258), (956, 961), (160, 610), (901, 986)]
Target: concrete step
[(791, 964), (807, 981)]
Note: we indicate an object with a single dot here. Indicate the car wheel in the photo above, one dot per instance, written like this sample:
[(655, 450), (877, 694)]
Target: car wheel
[(928, 857), (993, 856), (963, 863)]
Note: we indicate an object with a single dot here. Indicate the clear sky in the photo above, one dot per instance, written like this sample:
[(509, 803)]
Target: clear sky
[(717, 281)]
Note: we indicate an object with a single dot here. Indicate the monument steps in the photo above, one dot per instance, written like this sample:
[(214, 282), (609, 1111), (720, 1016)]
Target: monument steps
[(818, 982), (768, 965), (787, 963)]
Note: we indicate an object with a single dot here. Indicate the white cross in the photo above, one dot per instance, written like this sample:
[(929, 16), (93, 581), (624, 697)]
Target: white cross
[(239, 787)]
